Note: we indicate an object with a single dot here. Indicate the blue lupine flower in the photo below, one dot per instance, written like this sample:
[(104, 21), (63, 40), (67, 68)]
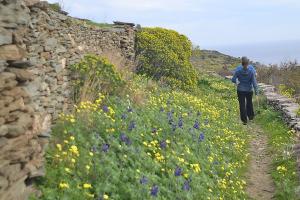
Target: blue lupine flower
[(130, 109), (180, 122), (178, 171), (174, 127), (105, 147), (105, 109), (143, 180), (123, 137), (170, 116), (186, 186), (131, 126), (163, 144), (154, 190), (123, 116), (161, 109), (94, 148), (196, 125), (201, 137), (154, 130)]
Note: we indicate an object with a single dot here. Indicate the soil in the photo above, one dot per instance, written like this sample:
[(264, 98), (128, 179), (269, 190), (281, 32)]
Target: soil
[(259, 181)]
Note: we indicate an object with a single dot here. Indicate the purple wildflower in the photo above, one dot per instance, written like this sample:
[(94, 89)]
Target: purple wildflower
[(105, 109), (173, 127), (130, 110), (154, 130), (186, 186), (178, 171), (201, 137), (131, 126), (124, 138), (94, 148), (143, 180), (196, 125), (180, 122), (105, 147), (163, 144), (123, 116), (154, 190)]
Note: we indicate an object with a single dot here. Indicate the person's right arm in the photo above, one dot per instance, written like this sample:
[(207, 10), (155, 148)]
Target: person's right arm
[(234, 77)]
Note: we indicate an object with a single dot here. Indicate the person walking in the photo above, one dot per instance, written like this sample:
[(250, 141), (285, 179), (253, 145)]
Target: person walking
[(245, 79)]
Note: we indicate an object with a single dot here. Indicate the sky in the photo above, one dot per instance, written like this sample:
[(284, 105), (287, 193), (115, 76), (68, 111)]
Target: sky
[(211, 24)]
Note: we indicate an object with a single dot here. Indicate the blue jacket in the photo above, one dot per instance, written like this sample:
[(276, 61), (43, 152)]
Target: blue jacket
[(246, 79), (251, 67)]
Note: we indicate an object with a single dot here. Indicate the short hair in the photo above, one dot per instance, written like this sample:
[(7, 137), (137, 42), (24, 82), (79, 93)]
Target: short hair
[(245, 59)]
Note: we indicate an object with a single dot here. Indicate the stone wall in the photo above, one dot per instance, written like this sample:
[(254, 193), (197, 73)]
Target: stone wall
[(288, 108), (37, 46)]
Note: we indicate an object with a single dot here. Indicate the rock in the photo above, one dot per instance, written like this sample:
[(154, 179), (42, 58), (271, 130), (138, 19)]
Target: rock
[(20, 64), (61, 49), (50, 44), (3, 130), (43, 5), (7, 80), (14, 14), (5, 36), (3, 142), (21, 74), (21, 126), (16, 93), (3, 183), (30, 3), (46, 55), (11, 52)]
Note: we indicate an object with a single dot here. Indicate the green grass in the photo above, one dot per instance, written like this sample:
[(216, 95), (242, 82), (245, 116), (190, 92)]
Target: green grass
[(97, 24), (118, 142), (281, 139)]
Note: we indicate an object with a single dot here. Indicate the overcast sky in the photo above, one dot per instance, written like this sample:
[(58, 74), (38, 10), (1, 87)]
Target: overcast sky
[(207, 23), (226, 25)]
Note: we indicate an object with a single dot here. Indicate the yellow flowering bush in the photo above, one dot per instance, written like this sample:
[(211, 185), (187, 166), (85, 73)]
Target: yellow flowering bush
[(165, 54), (94, 74)]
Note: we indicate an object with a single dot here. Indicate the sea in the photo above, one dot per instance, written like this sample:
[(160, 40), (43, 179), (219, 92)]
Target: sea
[(265, 53)]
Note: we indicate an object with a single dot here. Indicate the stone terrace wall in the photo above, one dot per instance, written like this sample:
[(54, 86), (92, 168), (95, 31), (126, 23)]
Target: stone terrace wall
[(285, 105), (37, 46), (288, 108)]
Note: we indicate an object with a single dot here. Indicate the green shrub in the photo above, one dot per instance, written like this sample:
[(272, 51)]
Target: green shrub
[(165, 54), (286, 91), (94, 75), (55, 7)]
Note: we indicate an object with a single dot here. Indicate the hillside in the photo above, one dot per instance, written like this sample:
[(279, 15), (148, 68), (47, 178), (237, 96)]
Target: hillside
[(210, 60)]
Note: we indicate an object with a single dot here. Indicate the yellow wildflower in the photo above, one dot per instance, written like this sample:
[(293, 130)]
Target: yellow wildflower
[(59, 147), (87, 186), (63, 185)]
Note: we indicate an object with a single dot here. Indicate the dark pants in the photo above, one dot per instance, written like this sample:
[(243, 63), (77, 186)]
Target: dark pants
[(246, 105)]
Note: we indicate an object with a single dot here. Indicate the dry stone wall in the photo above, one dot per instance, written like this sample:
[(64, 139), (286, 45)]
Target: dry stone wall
[(37, 47), (288, 108)]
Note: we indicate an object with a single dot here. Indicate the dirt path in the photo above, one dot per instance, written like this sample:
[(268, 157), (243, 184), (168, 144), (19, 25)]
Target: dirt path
[(260, 185)]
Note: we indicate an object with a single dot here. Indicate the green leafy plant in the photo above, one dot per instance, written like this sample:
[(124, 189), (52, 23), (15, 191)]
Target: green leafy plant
[(93, 75), (286, 91), (55, 7), (165, 54)]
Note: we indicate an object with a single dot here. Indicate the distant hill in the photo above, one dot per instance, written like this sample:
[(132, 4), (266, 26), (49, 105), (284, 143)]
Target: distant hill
[(211, 60)]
